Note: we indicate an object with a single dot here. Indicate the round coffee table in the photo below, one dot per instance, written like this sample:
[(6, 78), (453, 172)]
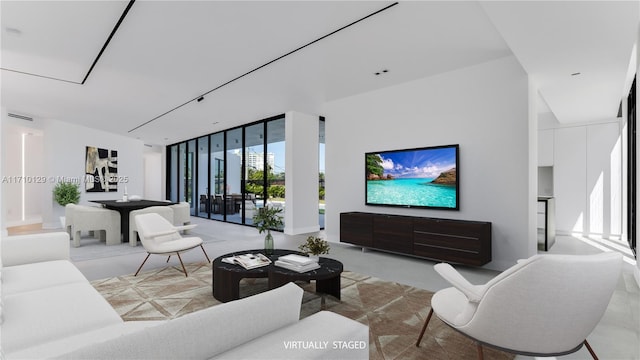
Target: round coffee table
[(226, 277), (327, 277)]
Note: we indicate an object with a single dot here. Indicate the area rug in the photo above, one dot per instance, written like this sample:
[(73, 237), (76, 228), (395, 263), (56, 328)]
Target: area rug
[(394, 312)]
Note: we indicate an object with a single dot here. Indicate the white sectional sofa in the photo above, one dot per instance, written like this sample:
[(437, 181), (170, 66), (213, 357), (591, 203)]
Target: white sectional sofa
[(50, 310)]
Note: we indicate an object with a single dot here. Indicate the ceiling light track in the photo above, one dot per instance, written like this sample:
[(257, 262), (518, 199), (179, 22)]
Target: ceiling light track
[(95, 61), (106, 43), (197, 98), (21, 117)]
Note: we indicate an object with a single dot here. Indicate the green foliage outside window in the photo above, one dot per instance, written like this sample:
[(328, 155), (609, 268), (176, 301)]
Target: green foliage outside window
[(276, 191)]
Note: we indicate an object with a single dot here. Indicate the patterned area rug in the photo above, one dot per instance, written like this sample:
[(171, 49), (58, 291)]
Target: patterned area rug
[(394, 312)]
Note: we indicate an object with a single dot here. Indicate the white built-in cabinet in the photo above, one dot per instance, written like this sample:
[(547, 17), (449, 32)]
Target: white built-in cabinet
[(587, 179)]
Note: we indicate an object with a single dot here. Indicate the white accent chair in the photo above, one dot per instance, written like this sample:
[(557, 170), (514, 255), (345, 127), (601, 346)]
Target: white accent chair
[(165, 211), (159, 236), (89, 218), (181, 213), (544, 306), (68, 219)]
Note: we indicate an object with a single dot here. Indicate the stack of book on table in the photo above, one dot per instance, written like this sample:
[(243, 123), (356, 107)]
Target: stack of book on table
[(297, 263), (248, 261)]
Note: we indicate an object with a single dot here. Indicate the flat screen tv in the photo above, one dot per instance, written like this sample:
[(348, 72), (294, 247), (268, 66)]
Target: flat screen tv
[(421, 178)]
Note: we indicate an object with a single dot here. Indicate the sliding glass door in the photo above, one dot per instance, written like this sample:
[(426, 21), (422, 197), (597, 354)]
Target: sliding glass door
[(632, 206), (228, 175), (191, 176), (201, 207), (233, 171), (321, 174), (172, 173), (216, 166), (254, 171)]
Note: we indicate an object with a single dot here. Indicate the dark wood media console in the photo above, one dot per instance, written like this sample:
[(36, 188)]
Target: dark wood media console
[(457, 241)]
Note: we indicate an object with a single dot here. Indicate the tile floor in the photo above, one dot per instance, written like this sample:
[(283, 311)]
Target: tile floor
[(617, 336)]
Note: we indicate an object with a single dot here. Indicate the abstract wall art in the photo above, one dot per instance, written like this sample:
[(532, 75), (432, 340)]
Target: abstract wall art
[(101, 170)]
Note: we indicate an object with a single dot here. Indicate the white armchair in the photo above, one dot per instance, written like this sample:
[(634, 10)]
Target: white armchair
[(165, 211), (89, 218), (546, 305), (159, 236)]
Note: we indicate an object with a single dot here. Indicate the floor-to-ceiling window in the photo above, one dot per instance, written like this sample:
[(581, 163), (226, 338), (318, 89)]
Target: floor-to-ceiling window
[(228, 175), (233, 172), (172, 173), (191, 176), (254, 171), (216, 168), (632, 210), (321, 174), (201, 206), (182, 173)]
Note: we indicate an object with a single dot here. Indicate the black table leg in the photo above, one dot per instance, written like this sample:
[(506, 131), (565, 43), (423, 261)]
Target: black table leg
[(329, 286), (124, 224), (226, 285)]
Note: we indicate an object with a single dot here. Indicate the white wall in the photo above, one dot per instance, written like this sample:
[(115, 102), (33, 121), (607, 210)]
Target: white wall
[(301, 155), (64, 156), (3, 228), (587, 177), (21, 179), (545, 148), (153, 175), (11, 142), (483, 108)]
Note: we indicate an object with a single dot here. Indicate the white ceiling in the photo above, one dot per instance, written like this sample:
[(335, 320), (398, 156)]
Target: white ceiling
[(168, 53), (554, 39)]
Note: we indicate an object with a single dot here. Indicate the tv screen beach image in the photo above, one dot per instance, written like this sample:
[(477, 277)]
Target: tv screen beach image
[(417, 177)]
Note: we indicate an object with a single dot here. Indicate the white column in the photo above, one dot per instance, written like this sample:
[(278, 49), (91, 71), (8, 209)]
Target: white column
[(3, 229), (532, 204), (301, 173)]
